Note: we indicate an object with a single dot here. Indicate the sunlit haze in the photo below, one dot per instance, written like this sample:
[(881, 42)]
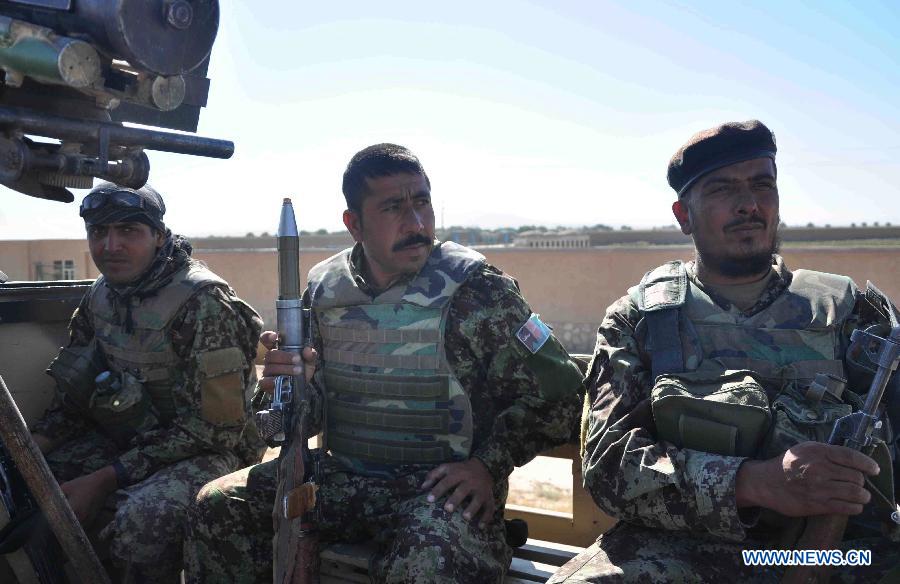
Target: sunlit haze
[(553, 113)]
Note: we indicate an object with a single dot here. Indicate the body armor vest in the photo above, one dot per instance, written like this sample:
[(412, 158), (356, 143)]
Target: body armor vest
[(741, 385), (145, 356), (391, 397), (791, 340), (733, 384)]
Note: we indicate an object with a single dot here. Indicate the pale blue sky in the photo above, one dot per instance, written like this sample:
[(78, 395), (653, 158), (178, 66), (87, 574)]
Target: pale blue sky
[(529, 112)]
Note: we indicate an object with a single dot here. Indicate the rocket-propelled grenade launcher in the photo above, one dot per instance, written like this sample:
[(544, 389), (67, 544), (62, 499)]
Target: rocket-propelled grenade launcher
[(290, 324), (287, 423)]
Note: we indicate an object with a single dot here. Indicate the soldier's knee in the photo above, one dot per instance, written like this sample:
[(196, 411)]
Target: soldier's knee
[(208, 495), (442, 562), (207, 504), (153, 527)]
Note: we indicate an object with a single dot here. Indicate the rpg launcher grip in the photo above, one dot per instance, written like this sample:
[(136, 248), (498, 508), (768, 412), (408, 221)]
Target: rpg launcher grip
[(825, 532)]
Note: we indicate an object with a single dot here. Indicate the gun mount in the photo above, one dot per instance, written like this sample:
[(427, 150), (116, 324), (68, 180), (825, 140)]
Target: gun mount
[(75, 71)]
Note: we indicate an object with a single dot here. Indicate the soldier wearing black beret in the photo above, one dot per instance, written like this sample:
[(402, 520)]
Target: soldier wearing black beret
[(716, 147), (706, 407), (725, 179)]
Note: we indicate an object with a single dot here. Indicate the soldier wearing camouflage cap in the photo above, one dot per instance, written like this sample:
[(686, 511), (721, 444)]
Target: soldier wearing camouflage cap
[(153, 390), (439, 380), (706, 411)]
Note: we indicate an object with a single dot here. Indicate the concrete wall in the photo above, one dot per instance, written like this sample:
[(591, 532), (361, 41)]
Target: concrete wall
[(254, 274), (570, 288), (788, 235), (20, 258)]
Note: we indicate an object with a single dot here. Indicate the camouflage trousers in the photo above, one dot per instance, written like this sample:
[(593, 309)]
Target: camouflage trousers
[(230, 530), (140, 528), (630, 553)]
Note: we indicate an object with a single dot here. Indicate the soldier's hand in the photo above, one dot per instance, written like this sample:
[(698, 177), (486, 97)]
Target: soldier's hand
[(87, 493), (281, 363), (463, 480), (810, 478)]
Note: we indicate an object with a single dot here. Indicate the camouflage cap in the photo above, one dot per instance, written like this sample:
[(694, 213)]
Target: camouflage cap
[(111, 203), (716, 147)]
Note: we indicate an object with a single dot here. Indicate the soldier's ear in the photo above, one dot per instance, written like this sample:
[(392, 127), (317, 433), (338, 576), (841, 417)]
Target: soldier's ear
[(682, 215), (353, 223)]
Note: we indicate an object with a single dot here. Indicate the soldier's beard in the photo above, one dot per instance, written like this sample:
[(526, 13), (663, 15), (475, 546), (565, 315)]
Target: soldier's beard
[(739, 266)]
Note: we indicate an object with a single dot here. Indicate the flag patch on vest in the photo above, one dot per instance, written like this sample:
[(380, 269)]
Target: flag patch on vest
[(533, 333)]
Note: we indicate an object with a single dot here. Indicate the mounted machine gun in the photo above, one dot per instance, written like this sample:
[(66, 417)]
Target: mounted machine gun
[(74, 70)]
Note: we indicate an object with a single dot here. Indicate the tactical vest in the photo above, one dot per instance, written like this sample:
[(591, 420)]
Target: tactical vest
[(146, 354), (718, 373), (391, 397), (791, 340), (747, 385)]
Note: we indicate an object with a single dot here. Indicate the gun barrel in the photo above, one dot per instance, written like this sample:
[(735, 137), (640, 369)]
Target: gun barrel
[(62, 128)]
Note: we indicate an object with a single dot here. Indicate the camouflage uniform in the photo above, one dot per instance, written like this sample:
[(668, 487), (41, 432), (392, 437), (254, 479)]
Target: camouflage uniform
[(654, 486), (521, 402), (196, 424)]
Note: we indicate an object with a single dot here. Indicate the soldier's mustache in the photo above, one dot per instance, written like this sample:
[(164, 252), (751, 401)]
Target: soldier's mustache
[(741, 222), (113, 258), (411, 241)]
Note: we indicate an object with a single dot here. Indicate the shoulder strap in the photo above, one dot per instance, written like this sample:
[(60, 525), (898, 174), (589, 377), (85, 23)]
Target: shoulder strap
[(448, 266), (661, 294), (331, 283), (664, 287)]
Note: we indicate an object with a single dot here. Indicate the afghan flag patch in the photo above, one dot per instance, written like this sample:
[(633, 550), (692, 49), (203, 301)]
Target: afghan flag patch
[(533, 334)]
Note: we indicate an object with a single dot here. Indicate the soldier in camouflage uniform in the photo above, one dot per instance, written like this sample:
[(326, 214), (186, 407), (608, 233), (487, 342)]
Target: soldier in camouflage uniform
[(174, 410), (438, 380), (706, 397)]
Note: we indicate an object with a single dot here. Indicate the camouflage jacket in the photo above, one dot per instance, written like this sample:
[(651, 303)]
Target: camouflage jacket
[(633, 475), (521, 405), (211, 319)]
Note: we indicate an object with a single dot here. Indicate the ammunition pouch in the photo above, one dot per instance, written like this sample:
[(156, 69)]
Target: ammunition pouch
[(124, 413), (74, 370), (797, 420), (724, 413)]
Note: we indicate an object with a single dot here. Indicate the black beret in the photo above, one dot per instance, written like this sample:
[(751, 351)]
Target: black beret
[(717, 147)]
